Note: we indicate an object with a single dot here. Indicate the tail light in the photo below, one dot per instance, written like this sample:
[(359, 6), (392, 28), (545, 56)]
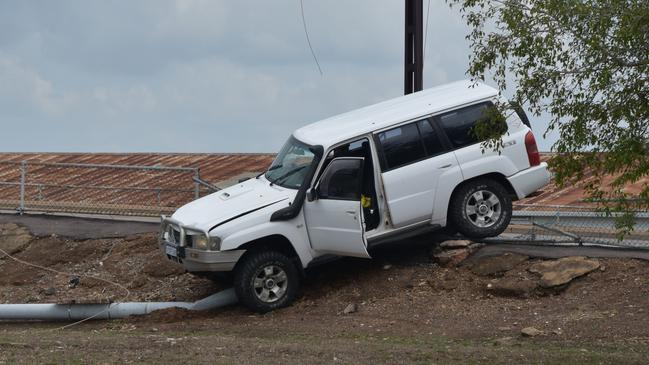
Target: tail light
[(532, 151)]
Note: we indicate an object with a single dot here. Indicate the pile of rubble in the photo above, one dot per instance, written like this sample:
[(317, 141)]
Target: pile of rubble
[(53, 269), (512, 274)]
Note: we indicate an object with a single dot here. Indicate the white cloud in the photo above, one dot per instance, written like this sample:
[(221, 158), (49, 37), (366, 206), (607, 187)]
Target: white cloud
[(24, 89)]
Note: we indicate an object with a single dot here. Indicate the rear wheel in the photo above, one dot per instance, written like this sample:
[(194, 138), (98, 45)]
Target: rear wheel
[(266, 280), (481, 208)]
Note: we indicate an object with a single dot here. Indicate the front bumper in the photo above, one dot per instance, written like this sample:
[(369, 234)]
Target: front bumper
[(530, 180), (192, 259)]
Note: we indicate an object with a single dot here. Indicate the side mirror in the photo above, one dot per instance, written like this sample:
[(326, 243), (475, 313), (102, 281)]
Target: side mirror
[(311, 194)]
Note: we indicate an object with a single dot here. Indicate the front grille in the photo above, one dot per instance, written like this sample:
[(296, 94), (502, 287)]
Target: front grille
[(175, 238)]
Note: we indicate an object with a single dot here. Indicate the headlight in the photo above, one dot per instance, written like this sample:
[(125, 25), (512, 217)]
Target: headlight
[(201, 242)]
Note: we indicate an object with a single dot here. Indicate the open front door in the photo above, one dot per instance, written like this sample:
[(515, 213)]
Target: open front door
[(333, 210)]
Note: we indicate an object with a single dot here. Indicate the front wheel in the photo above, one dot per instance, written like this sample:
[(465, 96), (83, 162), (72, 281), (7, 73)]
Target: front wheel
[(481, 208), (266, 280)]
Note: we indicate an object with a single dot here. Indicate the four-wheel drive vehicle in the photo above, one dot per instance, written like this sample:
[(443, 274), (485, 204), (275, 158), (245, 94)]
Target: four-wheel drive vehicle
[(338, 186)]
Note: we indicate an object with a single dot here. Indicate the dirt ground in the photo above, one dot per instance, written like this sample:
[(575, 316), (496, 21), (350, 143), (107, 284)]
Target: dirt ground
[(409, 310), (85, 268)]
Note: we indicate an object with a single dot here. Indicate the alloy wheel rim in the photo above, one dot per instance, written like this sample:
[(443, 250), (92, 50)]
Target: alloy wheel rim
[(483, 208), (270, 283)]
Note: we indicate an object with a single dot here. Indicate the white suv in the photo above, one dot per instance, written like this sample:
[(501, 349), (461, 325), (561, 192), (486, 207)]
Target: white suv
[(339, 186)]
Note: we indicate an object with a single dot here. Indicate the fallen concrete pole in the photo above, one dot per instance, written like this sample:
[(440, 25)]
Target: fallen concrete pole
[(77, 312)]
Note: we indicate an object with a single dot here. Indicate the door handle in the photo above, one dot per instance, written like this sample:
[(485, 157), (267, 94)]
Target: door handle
[(352, 212), (446, 166)]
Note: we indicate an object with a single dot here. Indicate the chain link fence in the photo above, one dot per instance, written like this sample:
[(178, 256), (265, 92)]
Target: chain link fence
[(153, 190), (560, 224), (98, 189)]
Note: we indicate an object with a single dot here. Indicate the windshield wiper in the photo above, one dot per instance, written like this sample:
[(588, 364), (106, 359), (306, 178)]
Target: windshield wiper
[(270, 169), (288, 174)]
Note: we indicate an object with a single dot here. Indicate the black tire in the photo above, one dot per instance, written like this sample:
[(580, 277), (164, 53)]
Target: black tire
[(468, 224), (252, 269)]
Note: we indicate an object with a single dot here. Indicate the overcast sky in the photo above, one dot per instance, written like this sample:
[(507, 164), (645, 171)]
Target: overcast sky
[(202, 75)]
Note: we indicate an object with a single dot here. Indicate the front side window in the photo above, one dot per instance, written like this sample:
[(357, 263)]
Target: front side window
[(341, 180), (401, 146), (291, 165)]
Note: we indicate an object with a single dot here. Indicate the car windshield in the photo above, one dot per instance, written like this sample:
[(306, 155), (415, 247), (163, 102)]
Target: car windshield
[(291, 165)]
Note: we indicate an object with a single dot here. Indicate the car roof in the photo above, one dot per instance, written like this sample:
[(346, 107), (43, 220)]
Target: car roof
[(330, 131)]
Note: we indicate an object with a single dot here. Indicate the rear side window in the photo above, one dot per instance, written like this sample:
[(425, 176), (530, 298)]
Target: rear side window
[(459, 124), (401, 146)]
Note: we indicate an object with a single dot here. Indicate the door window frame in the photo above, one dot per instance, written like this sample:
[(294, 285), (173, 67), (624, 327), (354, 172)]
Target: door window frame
[(323, 160)]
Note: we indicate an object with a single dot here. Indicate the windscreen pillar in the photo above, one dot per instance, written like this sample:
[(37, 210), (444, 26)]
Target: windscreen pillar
[(414, 46)]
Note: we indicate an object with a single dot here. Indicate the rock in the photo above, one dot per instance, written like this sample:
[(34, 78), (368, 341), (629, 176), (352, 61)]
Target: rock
[(387, 267), (513, 287), (351, 308), (475, 246), (74, 281), (492, 265), (451, 258), (531, 332), (455, 244), (562, 271), (13, 238), (49, 291)]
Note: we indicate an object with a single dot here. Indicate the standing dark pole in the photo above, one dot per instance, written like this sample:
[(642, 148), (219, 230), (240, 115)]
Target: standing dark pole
[(414, 46)]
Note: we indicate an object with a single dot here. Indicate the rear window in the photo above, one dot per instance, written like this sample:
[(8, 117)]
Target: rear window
[(459, 124)]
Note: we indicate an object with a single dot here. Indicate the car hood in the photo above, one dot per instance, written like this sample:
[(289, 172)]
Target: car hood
[(232, 202)]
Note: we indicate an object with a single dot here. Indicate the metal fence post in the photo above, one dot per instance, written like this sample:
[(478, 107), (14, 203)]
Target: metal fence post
[(23, 172), (197, 184)]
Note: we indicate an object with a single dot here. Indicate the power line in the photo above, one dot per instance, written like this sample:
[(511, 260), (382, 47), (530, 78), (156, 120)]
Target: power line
[(306, 32)]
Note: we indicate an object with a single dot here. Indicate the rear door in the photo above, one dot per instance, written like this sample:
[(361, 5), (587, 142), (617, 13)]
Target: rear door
[(414, 158), (333, 217)]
